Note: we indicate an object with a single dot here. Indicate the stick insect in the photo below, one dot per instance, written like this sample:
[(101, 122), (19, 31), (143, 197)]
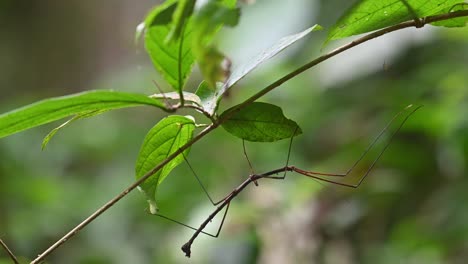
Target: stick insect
[(280, 174)]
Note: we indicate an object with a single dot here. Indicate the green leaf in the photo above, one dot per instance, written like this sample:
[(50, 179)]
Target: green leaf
[(209, 17), (173, 59), (207, 97), (260, 122), (52, 109), (190, 97), (210, 98), (454, 22), (165, 138), (369, 15), (181, 15)]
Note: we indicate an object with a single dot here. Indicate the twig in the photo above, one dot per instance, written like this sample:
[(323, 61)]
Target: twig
[(201, 110), (9, 252), (247, 102)]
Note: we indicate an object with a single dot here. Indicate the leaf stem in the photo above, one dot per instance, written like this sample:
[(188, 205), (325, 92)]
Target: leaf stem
[(179, 66), (250, 100)]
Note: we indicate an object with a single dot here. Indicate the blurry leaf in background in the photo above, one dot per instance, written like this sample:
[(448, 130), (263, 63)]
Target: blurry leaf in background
[(369, 15), (165, 138), (260, 122), (52, 109), (173, 59), (209, 17)]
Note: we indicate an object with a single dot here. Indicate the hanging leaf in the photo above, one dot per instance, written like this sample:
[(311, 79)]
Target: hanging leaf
[(260, 122), (180, 18), (209, 17), (52, 109), (369, 15), (173, 59), (165, 138)]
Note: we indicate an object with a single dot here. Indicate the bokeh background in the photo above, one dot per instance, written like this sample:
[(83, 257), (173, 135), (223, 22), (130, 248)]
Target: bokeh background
[(411, 209)]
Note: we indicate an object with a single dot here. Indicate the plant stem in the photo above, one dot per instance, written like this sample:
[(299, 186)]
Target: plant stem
[(9, 252), (247, 102)]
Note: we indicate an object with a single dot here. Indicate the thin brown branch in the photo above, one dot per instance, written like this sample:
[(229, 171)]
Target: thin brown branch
[(9, 252), (247, 102), (373, 35)]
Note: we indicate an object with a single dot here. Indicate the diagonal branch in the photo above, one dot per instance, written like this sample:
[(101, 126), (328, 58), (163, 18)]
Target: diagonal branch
[(9, 252), (247, 102)]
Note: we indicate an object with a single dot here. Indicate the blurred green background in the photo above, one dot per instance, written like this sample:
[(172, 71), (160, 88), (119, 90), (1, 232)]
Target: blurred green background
[(411, 209)]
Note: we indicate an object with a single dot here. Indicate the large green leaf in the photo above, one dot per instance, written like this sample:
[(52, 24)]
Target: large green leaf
[(369, 15), (260, 122), (174, 58), (165, 138), (52, 109)]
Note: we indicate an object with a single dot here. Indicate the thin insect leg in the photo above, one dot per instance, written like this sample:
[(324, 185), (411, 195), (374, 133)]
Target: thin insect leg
[(289, 151), (166, 100), (248, 160), (201, 184), (379, 136), (316, 176), (209, 197), (195, 229)]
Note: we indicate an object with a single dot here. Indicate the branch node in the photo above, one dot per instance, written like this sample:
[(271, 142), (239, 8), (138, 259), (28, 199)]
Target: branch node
[(186, 249)]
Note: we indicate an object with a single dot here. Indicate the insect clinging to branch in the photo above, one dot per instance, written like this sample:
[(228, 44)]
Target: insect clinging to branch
[(391, 129)]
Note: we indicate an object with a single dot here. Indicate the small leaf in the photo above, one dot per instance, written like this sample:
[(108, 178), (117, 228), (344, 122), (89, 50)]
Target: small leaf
[(454, 22), (190, 97), (369, 15), (207, 97), (52, 109), (173, 59), (214, 65), (260, 122), (165, 138)]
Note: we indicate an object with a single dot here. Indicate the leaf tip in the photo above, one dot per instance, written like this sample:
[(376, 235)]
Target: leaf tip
[(316, 27), (139, 32), (152, 207)]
